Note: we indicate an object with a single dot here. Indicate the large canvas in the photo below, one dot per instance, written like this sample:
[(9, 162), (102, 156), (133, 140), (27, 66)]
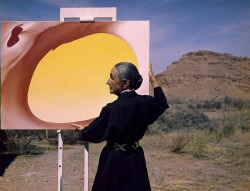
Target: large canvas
[(55, 73)]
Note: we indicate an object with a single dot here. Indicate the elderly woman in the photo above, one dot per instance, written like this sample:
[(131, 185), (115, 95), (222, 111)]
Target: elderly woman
[(122, 124)]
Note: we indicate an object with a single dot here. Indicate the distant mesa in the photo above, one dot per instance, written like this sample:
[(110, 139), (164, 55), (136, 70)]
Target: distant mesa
[(206, 75)]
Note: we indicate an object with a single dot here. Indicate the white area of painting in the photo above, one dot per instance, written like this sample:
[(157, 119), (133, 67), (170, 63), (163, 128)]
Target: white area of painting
[(136, 34)]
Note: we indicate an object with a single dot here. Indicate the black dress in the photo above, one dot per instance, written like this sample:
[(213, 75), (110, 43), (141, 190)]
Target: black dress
[(124, 121)]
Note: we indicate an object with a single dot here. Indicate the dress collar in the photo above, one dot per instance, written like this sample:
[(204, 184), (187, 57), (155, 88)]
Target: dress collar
[(125, 94), (128, 90)]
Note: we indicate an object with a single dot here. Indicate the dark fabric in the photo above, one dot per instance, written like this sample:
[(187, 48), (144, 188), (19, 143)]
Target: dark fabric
[(124, 121), (130, 147)]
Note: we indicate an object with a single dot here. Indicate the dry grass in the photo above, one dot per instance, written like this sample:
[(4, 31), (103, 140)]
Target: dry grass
[(179, 142), (225, 165)]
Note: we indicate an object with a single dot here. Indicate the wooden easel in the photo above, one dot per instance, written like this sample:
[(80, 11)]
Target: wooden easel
[(85, 15)]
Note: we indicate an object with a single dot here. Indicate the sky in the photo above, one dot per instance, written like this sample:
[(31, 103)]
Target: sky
[(176, 26)]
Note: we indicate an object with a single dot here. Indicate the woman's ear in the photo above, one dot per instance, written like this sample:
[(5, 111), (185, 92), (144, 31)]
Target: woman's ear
[(126, 84)]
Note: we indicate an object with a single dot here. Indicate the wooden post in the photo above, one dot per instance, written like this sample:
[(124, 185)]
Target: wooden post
[(60, 160), (86, 166), (47, 134)]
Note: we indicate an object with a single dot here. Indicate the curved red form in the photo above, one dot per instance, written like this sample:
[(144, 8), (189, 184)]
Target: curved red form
[(21, 54)]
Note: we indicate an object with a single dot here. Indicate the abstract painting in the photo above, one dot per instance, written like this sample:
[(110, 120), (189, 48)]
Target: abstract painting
[(55, 73)]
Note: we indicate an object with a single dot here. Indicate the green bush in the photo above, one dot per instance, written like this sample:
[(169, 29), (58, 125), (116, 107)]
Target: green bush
[(217, 105), (212, 104), (225, 129), (3, 139), (70, 137), (207, 105), (219, 136), (228, 129), (188, 116), (198, 147), (153, 129), (238, 103), (217, 132), (18, 141), (227, 100), (175, 100), (191, 106), (184, 118), (199, 106)]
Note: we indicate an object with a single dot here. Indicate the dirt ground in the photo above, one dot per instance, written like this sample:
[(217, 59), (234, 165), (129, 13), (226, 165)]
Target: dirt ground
[(167, 170)]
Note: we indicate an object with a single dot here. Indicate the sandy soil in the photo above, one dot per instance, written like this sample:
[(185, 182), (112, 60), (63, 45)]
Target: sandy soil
[(167, 171)]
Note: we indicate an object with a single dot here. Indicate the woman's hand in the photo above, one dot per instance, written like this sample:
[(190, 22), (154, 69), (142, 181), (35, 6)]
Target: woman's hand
[(78, 127), (152, 77)]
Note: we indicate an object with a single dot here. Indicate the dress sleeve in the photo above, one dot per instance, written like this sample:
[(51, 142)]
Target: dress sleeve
[(160, 98), (157, 105), (97, 131)]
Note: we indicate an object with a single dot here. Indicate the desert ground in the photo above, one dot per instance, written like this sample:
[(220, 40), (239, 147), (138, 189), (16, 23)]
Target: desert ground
[(224, 166)]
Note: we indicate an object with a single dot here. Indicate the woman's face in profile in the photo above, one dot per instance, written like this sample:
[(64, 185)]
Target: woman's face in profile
[(114, 82)]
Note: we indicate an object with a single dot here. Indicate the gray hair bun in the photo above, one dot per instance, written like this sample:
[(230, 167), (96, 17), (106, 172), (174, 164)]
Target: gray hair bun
[(128, 71), (139, 82)]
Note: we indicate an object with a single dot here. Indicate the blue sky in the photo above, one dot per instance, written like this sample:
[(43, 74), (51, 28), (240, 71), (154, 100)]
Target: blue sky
[(176, 26)]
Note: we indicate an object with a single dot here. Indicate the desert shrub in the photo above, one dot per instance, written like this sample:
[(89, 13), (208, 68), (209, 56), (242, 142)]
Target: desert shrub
[(52, 134), (199, 106), (70, 137), (231, 122), (227, 100), (236, 120), (238, 103), (191, 106), (211, 104), (153, 129), (179, 142), (183, 118), (186, 118), (244, 126), (217, 132), (241, 120), (160, 125), (227, 130), (207, 105), (224, 129), (175, 100), (217, 105), (219, 136), (3, 139), (198, 147), (20, 140)]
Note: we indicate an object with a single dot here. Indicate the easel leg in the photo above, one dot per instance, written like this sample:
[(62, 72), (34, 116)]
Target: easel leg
[(86, 166), (60, 160)]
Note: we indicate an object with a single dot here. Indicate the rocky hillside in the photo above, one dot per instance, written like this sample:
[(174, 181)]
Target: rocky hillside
[(206, 75)]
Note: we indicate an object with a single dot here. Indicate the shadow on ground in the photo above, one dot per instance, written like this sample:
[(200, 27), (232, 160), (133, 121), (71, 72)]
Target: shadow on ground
[(5, 161)]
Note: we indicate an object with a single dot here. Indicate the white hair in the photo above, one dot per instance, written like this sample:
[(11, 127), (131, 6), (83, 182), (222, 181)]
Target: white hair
[(128, 71)]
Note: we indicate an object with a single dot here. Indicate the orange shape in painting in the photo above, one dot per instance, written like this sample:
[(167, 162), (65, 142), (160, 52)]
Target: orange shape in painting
[(69, 83)]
